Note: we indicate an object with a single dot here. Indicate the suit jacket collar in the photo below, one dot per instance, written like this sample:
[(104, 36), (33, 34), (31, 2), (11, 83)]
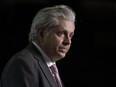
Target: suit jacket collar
[(41, 62)]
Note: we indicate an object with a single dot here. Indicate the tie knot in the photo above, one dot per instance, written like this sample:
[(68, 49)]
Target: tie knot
[(54, 69)]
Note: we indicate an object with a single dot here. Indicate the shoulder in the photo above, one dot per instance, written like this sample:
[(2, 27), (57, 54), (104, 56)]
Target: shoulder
[(23, 57), (22, 62)]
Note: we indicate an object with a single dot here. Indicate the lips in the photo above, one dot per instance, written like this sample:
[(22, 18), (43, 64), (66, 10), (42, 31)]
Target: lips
[(64, 50)]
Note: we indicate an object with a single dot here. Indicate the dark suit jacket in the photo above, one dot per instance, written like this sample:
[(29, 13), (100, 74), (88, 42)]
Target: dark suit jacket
[(27, 69)]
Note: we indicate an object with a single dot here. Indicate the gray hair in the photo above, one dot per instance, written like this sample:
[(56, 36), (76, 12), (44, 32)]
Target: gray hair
[(50, 17)]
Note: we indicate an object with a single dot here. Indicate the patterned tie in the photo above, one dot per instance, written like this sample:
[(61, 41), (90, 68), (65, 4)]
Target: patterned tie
[(56, 74)]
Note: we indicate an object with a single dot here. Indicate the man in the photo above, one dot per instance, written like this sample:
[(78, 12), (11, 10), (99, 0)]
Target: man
[(49, 40)]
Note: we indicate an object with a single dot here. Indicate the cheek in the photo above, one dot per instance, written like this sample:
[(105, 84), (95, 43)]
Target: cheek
[(58, 42), (55, 44)]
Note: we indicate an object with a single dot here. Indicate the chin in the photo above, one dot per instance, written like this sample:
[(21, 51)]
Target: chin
[(61, 55), (59, 58)]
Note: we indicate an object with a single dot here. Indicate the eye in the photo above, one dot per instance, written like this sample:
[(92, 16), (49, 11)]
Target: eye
[(60, 33), (71, 35)]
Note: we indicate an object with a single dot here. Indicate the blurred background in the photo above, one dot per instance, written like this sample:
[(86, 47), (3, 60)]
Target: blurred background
[(91, 59)]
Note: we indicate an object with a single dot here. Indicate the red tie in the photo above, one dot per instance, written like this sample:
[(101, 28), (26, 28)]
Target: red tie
[(56, 74)]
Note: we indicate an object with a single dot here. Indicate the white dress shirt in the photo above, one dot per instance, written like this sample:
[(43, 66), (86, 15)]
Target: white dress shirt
[(46, 58)]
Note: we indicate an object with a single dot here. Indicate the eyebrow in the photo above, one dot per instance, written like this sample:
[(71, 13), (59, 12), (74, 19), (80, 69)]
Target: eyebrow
[(64, 31)]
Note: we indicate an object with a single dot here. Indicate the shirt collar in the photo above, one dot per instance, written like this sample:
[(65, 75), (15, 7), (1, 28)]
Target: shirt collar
[(46, 58)]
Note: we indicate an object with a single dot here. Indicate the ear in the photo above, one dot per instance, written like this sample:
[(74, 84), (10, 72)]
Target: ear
[(40, 34)]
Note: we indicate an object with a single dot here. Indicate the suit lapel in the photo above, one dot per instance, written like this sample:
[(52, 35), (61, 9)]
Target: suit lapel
[(42, 64), (48, 74)]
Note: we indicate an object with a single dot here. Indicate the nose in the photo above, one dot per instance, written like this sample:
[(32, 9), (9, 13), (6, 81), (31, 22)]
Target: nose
[(67, 40)]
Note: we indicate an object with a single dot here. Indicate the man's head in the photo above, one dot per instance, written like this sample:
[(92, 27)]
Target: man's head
[(52, 29)]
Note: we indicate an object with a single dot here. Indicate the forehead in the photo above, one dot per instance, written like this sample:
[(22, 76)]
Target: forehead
[(67, 26)]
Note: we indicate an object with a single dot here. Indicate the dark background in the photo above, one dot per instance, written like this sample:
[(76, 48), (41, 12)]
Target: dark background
[(91, 59)]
